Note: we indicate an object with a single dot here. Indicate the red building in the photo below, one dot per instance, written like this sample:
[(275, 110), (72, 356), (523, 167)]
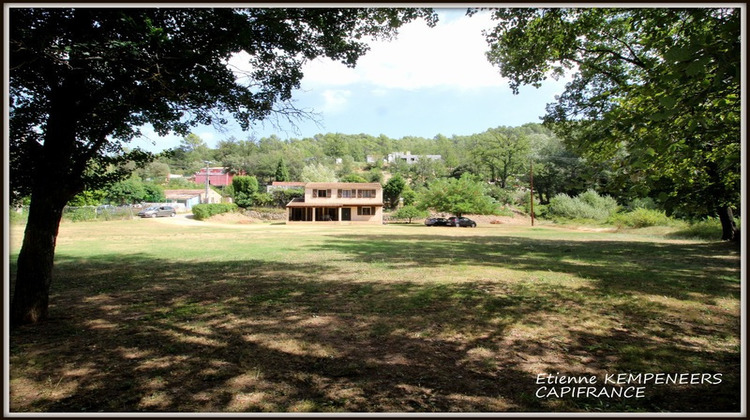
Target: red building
[(216, 176)]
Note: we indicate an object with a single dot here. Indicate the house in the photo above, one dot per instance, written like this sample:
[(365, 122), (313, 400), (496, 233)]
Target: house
[(218, 177), (280, 185), (338, 202), (409, 158), (191, 197)]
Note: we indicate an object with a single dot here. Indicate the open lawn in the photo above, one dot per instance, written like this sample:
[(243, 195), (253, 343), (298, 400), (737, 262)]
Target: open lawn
[(157, 315)]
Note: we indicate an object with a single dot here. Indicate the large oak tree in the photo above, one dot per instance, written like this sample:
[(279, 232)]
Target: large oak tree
[(84, 80), (655, 92)]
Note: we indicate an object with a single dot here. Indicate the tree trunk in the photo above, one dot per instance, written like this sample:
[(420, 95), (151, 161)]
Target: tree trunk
[(55, 181), (34, 276), (728, 227)]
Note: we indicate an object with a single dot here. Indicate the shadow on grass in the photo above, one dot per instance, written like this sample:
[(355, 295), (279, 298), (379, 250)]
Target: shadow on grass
[(141, 334), (668, 269)]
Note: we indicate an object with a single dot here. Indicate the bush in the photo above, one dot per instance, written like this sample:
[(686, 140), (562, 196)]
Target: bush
[(640, 218), (503, 196), (588, 205), (81, 214), (643, 203), (204, 211), (523, 200)]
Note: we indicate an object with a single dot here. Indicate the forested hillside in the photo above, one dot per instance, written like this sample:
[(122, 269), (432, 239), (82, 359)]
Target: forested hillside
[(501, 155)]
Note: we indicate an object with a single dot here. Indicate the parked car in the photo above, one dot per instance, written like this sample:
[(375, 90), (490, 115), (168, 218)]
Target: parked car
[(436, 221), (466, 222), (165, 211), (461, 221)]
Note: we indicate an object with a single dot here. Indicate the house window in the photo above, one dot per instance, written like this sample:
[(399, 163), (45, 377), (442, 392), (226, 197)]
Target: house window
[(368, 193), (346, 193), (364, 211), (321, 193)]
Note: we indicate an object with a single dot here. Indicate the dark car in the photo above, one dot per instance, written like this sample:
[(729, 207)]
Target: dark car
[(166, 211), (461, 221), (436, 221), (466, 222)]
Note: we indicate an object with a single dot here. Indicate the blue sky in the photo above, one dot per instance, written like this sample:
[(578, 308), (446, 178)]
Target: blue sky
[(428, 81)]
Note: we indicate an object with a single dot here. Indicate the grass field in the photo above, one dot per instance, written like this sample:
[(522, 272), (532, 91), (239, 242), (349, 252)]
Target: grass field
[(152, 315)]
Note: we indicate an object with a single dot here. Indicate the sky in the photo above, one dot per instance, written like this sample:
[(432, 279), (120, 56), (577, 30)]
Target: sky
[(428, 81)]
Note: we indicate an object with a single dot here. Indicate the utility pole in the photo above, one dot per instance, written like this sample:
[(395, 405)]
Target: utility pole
[(531, 176), (207, 174)]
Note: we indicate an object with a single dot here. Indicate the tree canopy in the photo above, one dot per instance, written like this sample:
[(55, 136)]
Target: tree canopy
[(655, 93), (457, 196)]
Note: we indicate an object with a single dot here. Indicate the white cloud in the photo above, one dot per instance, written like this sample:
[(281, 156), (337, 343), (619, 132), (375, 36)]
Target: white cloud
[(452, 54), (335, 100)]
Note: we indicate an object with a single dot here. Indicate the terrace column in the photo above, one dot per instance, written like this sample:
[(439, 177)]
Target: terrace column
[(313, 214), (339, 218)]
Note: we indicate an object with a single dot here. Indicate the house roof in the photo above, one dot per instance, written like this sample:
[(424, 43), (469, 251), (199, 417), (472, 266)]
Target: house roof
[(344, 185), (287, 184)]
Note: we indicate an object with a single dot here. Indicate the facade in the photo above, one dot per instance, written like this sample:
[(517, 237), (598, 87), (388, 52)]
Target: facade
[(191, 197), (217, 177), (409, 158), (338, 202)]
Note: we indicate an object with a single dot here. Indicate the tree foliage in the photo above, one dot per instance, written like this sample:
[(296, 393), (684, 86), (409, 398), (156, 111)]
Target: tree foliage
[(655, 93), (504, 152), (457, 196), (409, 212), (392, 190), (244, 189), (282, 172), (318, 173)]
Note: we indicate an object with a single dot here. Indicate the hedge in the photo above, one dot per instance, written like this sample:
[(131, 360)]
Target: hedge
[(204, 211)]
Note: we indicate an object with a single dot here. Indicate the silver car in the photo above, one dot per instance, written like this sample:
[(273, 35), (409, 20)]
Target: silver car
[(160, 211)]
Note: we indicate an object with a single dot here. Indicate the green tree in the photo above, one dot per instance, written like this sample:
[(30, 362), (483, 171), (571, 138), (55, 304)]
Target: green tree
[(318, 173), (655, 92), (457, 196), (282, 172), (504, 151), (129, 191), (244, 189), (409, 196), (347, 166), (353, 178), (83, 81), (392, 190), (88, 198), (410, 212), (153, 193), (157, 172)]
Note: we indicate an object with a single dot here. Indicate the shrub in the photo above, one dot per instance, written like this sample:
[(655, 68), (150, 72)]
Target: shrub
[(503, 196), (588, 205), (643, 203), (640, 218), (244, 187), (80, 214), (204, 211), (263, 199)]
